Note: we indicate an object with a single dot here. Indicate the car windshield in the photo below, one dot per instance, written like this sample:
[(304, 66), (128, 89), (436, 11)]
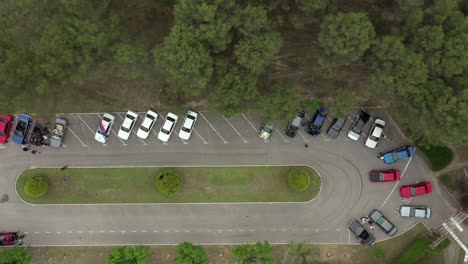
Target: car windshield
[(165, 131), (19, 133), (125, 129), (57, 137), (130, 117), (144, 129), (2, 133), (150, 117), (395, 156), (186, 129), (106, 119), (170, 119), (102, 132), (359, 126), (190, 117), (373, 138)]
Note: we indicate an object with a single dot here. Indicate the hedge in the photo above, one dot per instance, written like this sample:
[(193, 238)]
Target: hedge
[(419, 249), (36, 186), (298, 180), (169, 182)]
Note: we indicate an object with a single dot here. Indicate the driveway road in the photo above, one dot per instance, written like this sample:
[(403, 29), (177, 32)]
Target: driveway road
[(346, 193)]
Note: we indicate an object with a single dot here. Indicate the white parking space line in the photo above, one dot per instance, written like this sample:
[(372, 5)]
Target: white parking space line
[(114, 132), (281, 135), (255, 129), (245, 141), (345, 137), (2, 146), (324, 137), (305, 139), (133, 131), (224, 141), (84, 145), (185, 142), (204, 142), (396, 184), (349, 118), (92, 131)]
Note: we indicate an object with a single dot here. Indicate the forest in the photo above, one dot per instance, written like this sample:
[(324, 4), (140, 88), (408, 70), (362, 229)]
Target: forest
[(229, 56)]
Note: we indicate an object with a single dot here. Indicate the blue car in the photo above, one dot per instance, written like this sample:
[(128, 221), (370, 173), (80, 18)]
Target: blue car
[(397, 154), (21, 131), (315, 125)]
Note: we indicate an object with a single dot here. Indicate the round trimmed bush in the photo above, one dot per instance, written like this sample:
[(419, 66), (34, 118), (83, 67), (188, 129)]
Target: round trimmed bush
[(36, 186), (169, 182), (298, 180)]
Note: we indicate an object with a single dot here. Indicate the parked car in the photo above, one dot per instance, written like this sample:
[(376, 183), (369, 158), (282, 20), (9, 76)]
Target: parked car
[(384, 175), (266, 130), (58, 132), (294, 125), (187, 127), (361, 233), (415, 211), (40, 134), (11, 239), (358, 125), (335, 127), (127, 125), (375, 133), (22, 128), (104, 128), (380, 220), (315, 125), (6, 122), (397, 154), (168, 127), (416, 189), (148, 122)]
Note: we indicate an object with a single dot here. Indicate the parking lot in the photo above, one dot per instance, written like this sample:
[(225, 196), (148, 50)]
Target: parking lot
[(212, 128)]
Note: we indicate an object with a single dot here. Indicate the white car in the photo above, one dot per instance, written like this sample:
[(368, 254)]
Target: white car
[(415, 211), (147, 124), (186, 129), (104, 129), (127, 125), (375, 133), (168, 127)]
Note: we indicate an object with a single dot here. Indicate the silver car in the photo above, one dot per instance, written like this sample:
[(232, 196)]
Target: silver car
[(58, 132), (415, 211)]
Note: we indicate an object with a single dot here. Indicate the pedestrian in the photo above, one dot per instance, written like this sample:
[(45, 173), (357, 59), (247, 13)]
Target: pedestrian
[(306, 145), (371, 227), (33, 151), (364, 219), (64, 167)]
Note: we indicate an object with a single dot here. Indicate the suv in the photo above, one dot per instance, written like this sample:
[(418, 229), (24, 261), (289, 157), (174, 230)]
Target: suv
[(380, 220), (294, 125), (375, 133), (358, 125), (361, 233), (315, 125), (335, 127)]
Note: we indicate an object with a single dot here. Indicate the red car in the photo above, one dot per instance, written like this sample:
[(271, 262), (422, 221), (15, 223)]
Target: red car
[(384, 175), (5, 127), (11, 239), (415, 189)]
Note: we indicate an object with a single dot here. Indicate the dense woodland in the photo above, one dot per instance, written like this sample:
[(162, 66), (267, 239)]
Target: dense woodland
[(230, 56)]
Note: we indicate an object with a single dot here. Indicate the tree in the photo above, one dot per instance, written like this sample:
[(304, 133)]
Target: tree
[(187, 62), (129, 255), (254, 253), (131, 61), (346, 35), (298, 180), (428, 42), (36, 186), (188, 253), (212, 20), (253, 20), (233, 87), (15, 256), (280, 104), (169, 182), (441, 9), (311, 7), (301, 250), (345, 101), (412, 13)]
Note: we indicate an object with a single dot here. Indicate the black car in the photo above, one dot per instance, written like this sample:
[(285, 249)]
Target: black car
[(315, 125), (335, 127), (358, 125), (380, 220), (294, 125), (361, 233)]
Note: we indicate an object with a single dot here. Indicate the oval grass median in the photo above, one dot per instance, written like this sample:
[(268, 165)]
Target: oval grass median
[(138, 185)]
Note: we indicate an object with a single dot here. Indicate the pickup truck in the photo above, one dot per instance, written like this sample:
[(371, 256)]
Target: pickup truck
[(58, 132), (397, 154), (21, 130)]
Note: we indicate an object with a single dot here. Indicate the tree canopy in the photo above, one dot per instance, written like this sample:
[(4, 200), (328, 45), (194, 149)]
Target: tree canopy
[(128, 255), (189, 253), (254, 253)]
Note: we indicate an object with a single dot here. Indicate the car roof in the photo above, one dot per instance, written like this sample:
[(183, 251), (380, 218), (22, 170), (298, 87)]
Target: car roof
[(319, 119), (188, 123), (296, 121), (147, 122), (168, 124)]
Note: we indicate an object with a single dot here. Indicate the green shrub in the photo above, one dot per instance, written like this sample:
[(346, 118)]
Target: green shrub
[(298, 180), (169, 182), (36, 186), (419, 249), (439, 156)]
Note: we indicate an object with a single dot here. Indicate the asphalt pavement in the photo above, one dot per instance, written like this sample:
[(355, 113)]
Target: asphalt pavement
[(218, 141)]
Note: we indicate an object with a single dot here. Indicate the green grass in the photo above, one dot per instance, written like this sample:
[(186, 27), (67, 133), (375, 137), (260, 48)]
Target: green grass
[(448, 182), (461, 256), (138, 185), (439, 156)]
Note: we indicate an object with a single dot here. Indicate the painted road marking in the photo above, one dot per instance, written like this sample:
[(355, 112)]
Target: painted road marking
[(245, 141), (281, 135), (305, 139), (204, 142), (125, 144), (92, 131), (254, 128), (224, 141), (133, 130)]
